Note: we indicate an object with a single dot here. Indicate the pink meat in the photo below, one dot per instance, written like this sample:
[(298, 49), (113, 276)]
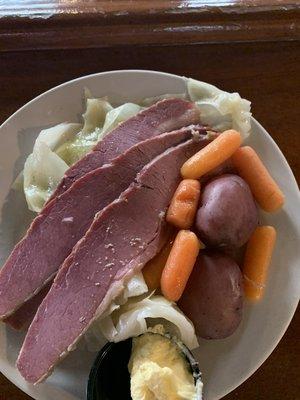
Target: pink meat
[(22, 318), (164, 116), (62, 222), (122, 238)]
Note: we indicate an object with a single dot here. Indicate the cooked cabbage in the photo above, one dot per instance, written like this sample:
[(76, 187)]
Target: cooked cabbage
[(62, 145), (99, 119), (56, 135), (220, 110), (136, 286), (75, 148), (118, 115), (43, 170), (93, 338), (96, 110), (137, 314)]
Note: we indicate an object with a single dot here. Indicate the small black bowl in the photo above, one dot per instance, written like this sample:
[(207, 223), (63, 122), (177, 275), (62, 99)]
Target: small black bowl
[(109, 378)]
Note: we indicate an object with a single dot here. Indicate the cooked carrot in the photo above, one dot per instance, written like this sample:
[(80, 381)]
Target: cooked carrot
[(179, 265), (257, 260), (153, 269), (264, 189), (183, 207), (212, 155)]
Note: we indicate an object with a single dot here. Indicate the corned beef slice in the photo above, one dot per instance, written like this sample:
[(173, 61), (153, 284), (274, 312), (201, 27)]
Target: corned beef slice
[(63, 221), (122, 238), (23, 316), (164, 116)]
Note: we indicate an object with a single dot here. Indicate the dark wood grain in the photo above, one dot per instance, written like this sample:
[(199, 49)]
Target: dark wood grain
[(50, 24), (265, 73)]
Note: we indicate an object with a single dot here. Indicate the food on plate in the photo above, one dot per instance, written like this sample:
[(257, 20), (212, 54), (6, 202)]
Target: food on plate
[(160, 368), (23, 316), (265, 190), (115, 247), (228, 214), (60, 146), (213, 298), (257, 261), (179, 264), (43, 168), (104, 382), (164, 116), (136, 315), (121, 239), (153, 269), (226, 167), (210, 157), (221, 110), (66, 219), (183, 207)]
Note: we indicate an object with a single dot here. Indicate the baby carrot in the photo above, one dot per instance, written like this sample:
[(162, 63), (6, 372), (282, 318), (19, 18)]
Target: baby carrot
[(212, 155), (153, 269), (179, 265), (257, 260), (264, 189), (183, 207)]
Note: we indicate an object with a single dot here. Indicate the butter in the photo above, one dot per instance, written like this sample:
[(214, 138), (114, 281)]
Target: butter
[(159, 370)]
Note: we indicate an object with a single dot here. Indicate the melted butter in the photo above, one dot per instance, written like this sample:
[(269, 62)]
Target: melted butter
[(159, 371)]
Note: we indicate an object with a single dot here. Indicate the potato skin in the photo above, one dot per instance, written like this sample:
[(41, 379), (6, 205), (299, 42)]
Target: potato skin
[(213, 297), (228, 214)]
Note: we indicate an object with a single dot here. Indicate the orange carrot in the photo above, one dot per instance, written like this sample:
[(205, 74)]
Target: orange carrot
[(179, 265), (212, 155), (264, 189), (153, 269), (257, 260), (183, 207)]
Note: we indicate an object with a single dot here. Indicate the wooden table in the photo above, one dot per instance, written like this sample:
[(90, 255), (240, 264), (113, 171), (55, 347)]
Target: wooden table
[(257, 53)]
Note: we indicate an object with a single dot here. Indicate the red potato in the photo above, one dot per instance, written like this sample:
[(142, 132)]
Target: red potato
[(213, 297), (228, 214)]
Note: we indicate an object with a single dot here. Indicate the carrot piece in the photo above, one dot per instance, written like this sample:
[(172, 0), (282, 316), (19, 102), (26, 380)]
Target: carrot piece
[(257, 260), (153, 269), (183, 207), (264, 189), (179, 265), (212, 155)]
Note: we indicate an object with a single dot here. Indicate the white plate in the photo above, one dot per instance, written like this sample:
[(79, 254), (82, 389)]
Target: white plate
[(225, 363)]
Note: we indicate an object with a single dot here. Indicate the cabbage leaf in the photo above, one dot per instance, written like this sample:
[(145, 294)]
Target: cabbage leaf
[(220, 110), (118, 115), (137, 314), (60, 146), (43, 171)]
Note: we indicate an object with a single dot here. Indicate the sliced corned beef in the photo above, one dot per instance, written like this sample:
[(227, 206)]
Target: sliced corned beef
[(122, 238), (23, 316), (63, 221), (164, 116)]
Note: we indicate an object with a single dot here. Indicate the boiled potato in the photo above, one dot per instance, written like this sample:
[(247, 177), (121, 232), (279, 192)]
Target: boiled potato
[(213, 297), (228, 214)]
